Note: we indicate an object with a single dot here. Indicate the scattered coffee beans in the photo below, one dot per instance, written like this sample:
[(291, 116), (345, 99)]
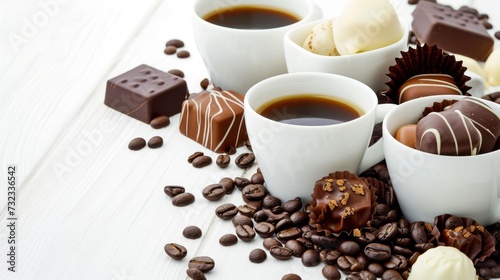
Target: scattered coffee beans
[(228, 184), (155, 142), (183, 54), (160, 122), (271, 242), (192, 232), (226, 211), (291, 276), (223, 161), (228, 239), (175, 42), (194, 155), (257, 256), (176, 72), (280, 252), (242, 220), (245, 160), (175, 251), (173, 190), (245, 232), (169, 50), (204, 83), (137, 144), (213, 192), (310, 258), (203, 263), (195, 274), (183, 199), (202, 161), (330, 272)]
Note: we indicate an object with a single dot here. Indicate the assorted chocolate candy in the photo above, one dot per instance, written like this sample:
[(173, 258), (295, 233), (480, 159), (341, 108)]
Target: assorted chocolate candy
[(145, 93)]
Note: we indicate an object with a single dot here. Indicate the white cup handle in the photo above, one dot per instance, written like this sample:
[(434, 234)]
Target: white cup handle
[(375, 153)]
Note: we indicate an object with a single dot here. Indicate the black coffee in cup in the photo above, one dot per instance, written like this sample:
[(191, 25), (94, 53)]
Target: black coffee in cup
[(309, 110), (251, 17)]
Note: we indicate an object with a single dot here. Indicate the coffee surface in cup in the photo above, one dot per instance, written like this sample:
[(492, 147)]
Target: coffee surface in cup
[(309, 110), (251, 17)]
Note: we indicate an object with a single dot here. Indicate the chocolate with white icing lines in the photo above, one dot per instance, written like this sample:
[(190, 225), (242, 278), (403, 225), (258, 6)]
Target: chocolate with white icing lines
[(426, 85), (214, 119), (467, 127)]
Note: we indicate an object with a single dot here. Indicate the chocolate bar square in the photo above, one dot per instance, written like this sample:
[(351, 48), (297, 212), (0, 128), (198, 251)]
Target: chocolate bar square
[(145, 93), (452, 30)]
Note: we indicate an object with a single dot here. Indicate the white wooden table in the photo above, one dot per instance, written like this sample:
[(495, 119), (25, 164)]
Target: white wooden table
[(87, 207)]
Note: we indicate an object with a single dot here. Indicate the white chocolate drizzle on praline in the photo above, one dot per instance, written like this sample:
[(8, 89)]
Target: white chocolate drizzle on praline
[(432, 81), (208, 109)]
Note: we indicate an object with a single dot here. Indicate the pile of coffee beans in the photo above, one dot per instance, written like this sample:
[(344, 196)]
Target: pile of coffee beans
[(243, 161), (172, 47), (138, 143)]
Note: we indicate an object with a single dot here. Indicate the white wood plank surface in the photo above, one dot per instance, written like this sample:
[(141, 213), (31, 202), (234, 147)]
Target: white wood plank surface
[(88, 207)]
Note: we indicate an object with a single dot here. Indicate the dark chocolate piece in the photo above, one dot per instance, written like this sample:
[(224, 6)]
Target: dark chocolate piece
[(467, 127), (341, 202), (454, 31), (145, 93), (427, 85), (214, 119)]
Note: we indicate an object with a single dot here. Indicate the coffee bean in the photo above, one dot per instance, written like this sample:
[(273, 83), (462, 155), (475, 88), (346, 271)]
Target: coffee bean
[(245, 232), (226, 211), (258, 178), (269, 202), (366, 238), (292, 206), (170, 50), (325, 242), (137, 144), (242, 220), (155, 142), (195, 274), (264, 229), (254, 192), (193, 156), (271, 242), (310, 258), (401, 251), (387, 232), (412, 2), (297, 248), (299, 218), (280, 252), (422, 247), (377, 251), (203, 263), (291, 276), (214, 192), (361, 275), (202, 161), (330, 272), (230, 150), (396, 262), (453, 222), (306, 243), (173, 190), (497, 35), (418, 232), (391, 275), (175, 42), (348, 264), (183, 199), (349, 248), (175, 251), (248, 210), (223, 161), (160, 122), (228, 184), (183, 54), (289, 233), (245, 160), (228, 239), (329, 257), (284, 224), (176, 72), (192, 232), (403, 227), (241, 182), (376, 268), (257, 256), (204, 83)]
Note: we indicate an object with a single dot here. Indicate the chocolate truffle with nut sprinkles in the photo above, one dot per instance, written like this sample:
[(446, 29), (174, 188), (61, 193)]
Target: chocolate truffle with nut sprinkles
[(341, 202)]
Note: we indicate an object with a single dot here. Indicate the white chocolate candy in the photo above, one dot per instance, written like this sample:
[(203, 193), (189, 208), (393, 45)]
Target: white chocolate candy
[(492, 68), (366, 25), (443, 263), (320, 39)]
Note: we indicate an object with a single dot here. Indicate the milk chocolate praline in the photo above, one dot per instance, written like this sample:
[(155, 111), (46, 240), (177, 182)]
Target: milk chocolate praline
[(341, 202), (424, 60), (465, 234)]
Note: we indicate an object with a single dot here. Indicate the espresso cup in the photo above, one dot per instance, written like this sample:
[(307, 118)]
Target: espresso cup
[(428, 185), (237, 58), (293, 157)]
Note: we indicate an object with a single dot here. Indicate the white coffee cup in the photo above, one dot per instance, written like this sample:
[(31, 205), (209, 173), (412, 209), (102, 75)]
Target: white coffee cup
[(429, 185), (236, 59), (293, 157)]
